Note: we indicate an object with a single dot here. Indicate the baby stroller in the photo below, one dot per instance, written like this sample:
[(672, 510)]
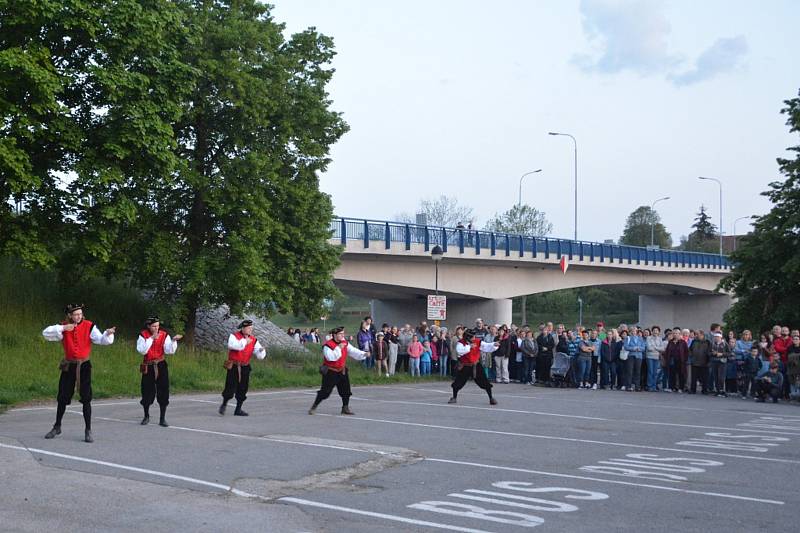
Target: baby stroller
[(561, 370)]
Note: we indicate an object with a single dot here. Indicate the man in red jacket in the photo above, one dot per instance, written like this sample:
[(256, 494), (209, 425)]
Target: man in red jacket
[(77, 336), (241, 347), (334, 369), (469, 350), (154, 343)]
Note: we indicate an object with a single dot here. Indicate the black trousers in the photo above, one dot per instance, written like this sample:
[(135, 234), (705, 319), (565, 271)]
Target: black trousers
[(66, 384), (699, 373), (340, 380), (402, 362), (236, 387), (764, 389), (543, 364), (471, 372), (153, 388)]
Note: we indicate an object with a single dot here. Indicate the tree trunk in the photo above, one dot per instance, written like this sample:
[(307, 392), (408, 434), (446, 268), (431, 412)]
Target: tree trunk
[(191, 321), (524, 301)]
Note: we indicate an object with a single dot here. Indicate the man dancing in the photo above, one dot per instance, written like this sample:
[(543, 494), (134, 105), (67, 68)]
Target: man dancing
[(77, 336), (154, 343), (334, 370), (241, 347), (469, 350)]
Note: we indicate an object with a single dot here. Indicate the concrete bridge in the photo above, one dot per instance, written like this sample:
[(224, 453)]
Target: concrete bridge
[(390, 263)]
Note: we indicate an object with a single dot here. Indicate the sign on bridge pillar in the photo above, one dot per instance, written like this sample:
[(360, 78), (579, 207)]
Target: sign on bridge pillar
[(437, 307)]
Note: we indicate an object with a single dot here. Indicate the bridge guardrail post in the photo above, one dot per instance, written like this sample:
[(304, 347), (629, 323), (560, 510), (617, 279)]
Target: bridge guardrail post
[(408, 237), (546, 248), (427, 239), (492, 244), (534, 246), (344, 232), (387, 235), (477, 243), (558, 249), (460, 241), (580, 250), (508, 245), (444, 240), (366, 234)]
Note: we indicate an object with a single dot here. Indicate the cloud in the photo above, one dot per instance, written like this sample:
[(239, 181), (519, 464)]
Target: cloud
[(633, 36), (722, 56), (630, 35)]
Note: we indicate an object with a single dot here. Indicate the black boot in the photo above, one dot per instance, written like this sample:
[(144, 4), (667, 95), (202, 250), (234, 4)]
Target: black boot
[(146, 419), (223, 406), (313, 408), (162, 421), (346, 410), (53, 432), (239, 411), (88, 436)]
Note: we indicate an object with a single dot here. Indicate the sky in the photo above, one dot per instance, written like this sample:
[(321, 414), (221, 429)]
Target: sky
[(457, 98)]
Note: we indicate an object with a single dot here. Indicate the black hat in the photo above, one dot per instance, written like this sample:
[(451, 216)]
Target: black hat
[(151, 320), (70, 308), (245, 323)]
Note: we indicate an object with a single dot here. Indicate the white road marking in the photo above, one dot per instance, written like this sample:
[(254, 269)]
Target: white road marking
[(560, 415), (132, 469), (601, 480), (567, 439), (392, 517)]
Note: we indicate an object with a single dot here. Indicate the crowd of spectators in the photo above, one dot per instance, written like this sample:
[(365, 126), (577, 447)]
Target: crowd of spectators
[(625, 358)]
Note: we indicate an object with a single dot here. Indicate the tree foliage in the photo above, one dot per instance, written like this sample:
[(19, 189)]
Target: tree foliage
[(522, 220), (766, 276), (442, 211), (641, 222), (188, 136), (704, 238)]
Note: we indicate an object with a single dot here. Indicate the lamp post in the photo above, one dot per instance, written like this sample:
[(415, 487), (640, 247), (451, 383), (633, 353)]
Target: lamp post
[(720, 208), (653, 223), (519, 203), (734, 229), (580, 311), (575, 144), (436, 254)]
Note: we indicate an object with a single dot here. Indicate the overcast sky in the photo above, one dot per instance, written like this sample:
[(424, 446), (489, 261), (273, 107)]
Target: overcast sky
[(457, 97)]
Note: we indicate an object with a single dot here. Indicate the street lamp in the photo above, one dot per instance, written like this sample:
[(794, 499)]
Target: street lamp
[(580, 311), (734, 229), (519, 203), (575, 144), (436, 254), (653, 223), (720, 208)]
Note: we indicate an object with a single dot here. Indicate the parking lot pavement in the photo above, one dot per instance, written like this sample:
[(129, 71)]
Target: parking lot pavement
[(555, 459)]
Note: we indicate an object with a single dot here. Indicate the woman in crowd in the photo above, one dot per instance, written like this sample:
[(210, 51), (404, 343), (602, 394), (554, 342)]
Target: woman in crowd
[(415, 350), (609, 359), (654, 348)]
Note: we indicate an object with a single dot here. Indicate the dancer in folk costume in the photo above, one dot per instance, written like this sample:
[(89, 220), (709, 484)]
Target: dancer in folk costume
[(154, 343), (76, 336), (469, 350), (241, 347), (334, 369)]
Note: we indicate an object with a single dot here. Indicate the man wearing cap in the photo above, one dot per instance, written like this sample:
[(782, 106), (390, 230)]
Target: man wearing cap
[(154, 343), (334, 369), (469, 350), (241, 347), (77, 336)]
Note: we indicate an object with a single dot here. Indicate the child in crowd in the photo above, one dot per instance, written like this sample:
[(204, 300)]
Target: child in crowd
[(750, 365), (425, 359)]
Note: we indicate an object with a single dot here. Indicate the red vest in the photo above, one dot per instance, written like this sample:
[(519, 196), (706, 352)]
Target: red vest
[(242, 356), (474, 353), (337, 365), (78, 342), (156, 350)]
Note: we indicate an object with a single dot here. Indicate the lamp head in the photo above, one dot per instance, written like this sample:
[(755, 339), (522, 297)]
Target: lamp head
[(437, 253)]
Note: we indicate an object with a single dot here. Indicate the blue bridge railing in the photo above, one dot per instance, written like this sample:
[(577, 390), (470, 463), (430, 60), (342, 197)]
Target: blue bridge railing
[(492, 244)]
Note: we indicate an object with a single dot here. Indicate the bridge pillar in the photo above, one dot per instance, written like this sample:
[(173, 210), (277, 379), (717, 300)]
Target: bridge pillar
[(691, 311), (459, 311)]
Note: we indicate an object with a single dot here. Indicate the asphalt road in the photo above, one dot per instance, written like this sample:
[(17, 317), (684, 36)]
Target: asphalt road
[(557, 460)]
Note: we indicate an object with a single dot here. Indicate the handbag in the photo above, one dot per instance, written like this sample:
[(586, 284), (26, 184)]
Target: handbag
[(323, 369), (623, 355)]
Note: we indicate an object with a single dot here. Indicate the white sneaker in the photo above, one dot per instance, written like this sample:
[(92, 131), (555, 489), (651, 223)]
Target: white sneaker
[(594, 387), (387, 374), (622, 388)]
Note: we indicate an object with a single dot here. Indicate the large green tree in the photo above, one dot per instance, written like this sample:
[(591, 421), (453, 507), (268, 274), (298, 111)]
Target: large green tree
[(241, 221), (641, 222), (766, 274), (87, 89)]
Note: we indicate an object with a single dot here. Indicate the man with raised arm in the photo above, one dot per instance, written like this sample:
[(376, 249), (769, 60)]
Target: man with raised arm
[(334, 370), (241, 347), (76, 336), (154, 343), (469, 350)]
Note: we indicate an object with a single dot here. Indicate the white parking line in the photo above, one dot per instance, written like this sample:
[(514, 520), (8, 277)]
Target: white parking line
[(392, 517), (561, 415), (131, 469), (611, 481), (565, 439)]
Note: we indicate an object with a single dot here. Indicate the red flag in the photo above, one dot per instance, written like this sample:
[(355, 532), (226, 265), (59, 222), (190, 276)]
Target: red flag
[(564, 264)]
